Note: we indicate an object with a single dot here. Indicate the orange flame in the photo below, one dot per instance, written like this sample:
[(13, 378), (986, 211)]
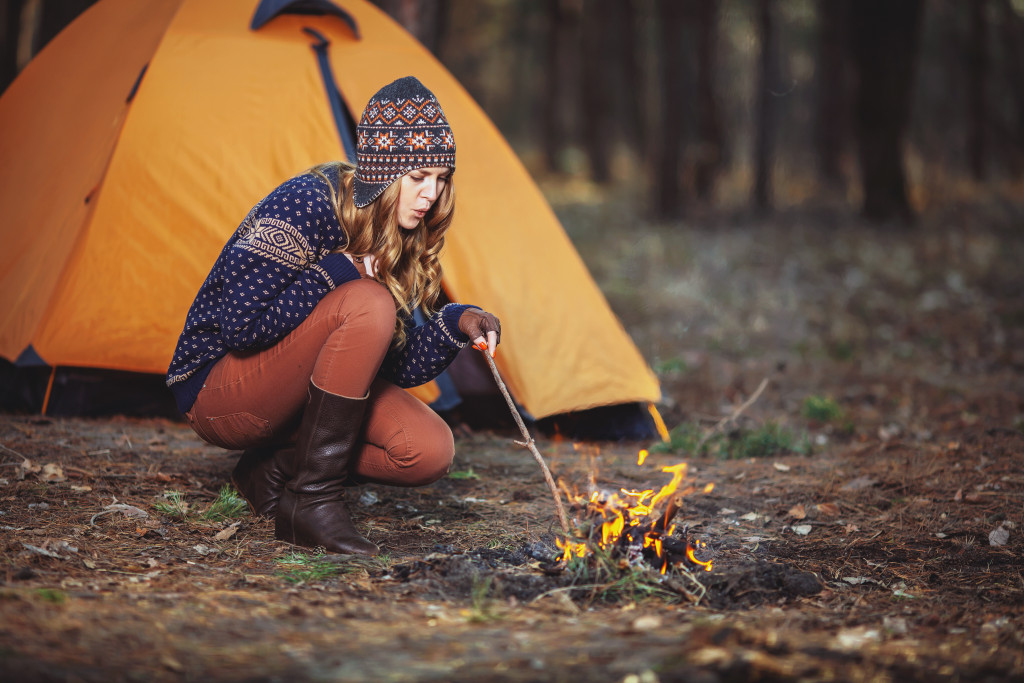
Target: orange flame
[(691, 555), (642, 456), (624, 511)]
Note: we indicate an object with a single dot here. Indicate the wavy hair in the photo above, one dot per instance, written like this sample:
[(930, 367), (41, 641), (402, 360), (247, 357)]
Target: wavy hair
[(407, 261)]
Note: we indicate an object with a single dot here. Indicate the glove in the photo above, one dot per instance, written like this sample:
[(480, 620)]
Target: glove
[(482, 328)]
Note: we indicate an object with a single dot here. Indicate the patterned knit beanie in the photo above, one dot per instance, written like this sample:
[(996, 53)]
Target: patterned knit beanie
[(402, 129)]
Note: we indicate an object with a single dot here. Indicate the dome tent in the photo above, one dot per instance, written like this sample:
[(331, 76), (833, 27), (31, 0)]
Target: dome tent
[(140, 136)]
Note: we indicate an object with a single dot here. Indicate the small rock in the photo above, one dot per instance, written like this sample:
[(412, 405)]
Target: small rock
[(998, 536)]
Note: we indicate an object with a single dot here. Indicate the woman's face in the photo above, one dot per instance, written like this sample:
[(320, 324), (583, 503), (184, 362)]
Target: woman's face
[(420, 189)]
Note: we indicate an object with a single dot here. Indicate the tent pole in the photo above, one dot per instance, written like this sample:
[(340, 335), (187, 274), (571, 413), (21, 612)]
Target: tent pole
[(49, 388)]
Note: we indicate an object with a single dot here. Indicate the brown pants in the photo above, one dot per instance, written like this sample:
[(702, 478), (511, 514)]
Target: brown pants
[(256, 398)]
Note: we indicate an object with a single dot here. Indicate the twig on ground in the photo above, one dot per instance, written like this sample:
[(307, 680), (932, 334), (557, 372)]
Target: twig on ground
[(732, 417), (529, 443)]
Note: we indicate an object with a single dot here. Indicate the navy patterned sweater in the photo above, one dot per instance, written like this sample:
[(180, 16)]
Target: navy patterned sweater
[(268, 278)]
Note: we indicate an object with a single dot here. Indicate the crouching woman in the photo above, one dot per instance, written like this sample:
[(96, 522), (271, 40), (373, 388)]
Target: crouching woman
[(300, 341)]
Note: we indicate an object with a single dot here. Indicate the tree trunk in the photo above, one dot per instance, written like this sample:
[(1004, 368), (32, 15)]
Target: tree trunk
[(1011, 33), (668, 195), (709, 127), (884, 39), (765, 135), (426, 21), (553, 132), (597, 87), (977, 82), (635, 92), (831, 123)]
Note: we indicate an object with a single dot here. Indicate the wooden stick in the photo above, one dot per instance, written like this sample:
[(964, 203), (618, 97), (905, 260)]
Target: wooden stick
[(729, 418), (529, 443)]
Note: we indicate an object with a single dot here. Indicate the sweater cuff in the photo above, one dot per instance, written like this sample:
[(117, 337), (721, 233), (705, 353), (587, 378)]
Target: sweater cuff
[(339, 269), (450, 315)]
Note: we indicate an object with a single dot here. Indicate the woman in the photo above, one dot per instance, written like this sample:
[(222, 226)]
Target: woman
[(301, 337)]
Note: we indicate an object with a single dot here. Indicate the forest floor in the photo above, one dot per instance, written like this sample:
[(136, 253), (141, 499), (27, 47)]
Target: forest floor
[(865, 523)]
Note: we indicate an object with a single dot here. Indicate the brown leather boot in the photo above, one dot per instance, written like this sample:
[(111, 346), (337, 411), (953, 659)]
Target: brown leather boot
[(261, 474), (312, 509)]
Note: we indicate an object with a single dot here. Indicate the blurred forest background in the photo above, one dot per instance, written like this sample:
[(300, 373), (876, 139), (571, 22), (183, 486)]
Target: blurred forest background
[(887, 108)]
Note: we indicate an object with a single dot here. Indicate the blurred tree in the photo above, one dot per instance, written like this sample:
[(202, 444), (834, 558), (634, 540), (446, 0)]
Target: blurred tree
[(833, 102), (708, 156), (630, 58), (884, 39), (1010, 123), (426, 21), (668, 197), (764, 156), (599, 88), (977, 81), (563, 17)]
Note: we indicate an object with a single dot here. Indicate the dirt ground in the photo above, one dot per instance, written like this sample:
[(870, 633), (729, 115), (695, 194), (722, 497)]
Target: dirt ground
[(885, 544)]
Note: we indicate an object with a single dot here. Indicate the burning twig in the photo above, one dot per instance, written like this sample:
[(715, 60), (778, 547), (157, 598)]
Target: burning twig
[(529, 444), (732, 417)]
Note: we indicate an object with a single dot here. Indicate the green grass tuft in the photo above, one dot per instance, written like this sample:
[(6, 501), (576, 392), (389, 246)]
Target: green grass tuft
[(822, 409), (228, 505), (768, 439), (463, 474), (173, 505), (302, 568)]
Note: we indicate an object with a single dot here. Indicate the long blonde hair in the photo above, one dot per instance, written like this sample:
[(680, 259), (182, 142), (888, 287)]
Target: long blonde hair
[(407, 261)]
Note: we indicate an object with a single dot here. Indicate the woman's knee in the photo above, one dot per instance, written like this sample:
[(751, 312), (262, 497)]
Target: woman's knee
[(436, 461), (364, 302)]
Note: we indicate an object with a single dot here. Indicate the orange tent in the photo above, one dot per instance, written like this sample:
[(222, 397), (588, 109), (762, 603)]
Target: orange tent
[(135, 142)]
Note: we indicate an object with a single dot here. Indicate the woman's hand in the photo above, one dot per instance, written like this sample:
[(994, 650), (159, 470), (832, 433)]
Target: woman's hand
[(482, 328)]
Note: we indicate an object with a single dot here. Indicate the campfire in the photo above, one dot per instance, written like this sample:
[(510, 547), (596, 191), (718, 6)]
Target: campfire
[(635, 527)]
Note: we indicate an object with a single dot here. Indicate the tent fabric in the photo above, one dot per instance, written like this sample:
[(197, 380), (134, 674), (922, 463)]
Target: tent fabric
[(115, 210)]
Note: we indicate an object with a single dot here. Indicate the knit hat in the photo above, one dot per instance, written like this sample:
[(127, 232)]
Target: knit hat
[(402, 129)]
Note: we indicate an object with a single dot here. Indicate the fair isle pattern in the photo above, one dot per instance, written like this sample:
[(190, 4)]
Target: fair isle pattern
[(402, 128), (268, 278)]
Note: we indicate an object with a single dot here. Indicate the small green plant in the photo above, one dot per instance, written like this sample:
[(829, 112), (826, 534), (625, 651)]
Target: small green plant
[(671, 366), (683, 438), (173, 505), (228, 505), (769, 439), (821, 409), (305, 568), (54, 595), (480, 600), (464, 474)]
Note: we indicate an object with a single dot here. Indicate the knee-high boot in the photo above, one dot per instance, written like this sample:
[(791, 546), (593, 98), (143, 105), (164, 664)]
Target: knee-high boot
[(261, 474), (312, 510)]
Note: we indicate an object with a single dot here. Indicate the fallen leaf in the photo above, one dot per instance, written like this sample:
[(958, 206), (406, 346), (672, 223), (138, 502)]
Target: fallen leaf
[(781, 467), (750, 517), (89, 564), (81, 489), (52, 472), (648, 622), (227, 532), (128, 510), (726, 511), (998, 536), (797, 511), (26, 467), (858, 484), (958, 496), (856, 638), (828, 509), (802, 529)]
